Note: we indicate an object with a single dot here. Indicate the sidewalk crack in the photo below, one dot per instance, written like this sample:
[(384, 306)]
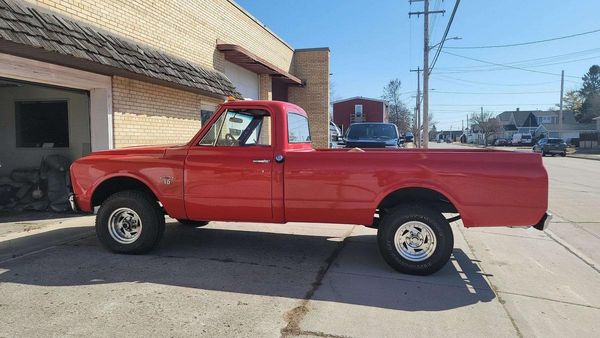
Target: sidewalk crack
[(295, 316)]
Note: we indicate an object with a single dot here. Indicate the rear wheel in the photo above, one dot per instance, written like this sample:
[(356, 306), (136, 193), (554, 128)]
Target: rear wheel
[(416, 240), (563, 154), (194, 224), (130, 222)]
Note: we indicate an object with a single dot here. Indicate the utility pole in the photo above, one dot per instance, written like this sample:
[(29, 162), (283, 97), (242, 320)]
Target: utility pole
[(560, 113), (426, 49), (418, 108)]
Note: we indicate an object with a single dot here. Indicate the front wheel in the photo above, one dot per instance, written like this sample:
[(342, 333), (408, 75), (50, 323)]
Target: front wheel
[(130, 222), (415, 240), (563, 154)]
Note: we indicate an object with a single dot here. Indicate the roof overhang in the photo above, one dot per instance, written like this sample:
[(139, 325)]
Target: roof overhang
[(246, 59), (360, 98)]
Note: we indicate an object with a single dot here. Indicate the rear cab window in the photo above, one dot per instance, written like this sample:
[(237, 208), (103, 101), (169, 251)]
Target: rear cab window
[(298, 128)]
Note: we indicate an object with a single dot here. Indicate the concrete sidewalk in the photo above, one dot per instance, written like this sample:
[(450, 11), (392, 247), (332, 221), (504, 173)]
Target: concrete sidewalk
[(271, 280)]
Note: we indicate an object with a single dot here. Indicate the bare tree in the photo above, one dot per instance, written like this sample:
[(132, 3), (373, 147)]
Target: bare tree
[(416, 130), (487, 124), (398, 113)]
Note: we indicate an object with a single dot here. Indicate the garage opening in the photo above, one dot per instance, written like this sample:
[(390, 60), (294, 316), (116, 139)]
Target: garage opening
[(42, 130)]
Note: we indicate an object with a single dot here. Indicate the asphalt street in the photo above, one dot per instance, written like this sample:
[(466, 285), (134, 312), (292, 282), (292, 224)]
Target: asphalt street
[(311, 280)]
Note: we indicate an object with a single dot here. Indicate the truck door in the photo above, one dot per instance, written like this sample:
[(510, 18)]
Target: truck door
[(228, 174)]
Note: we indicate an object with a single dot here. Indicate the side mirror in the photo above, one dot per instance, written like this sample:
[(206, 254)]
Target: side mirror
[(335, 138)]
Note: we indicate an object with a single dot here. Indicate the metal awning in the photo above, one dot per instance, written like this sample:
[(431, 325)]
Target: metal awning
[(245, 59)]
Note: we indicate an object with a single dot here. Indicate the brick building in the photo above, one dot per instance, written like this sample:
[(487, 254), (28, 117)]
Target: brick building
[(359, 109), (86, 75)]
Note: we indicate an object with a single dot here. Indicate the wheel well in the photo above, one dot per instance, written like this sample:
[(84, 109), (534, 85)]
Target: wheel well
[(414, 195), (116, 184)]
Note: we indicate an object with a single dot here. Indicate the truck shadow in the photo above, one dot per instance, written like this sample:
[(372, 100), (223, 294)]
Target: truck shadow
[(257, 263)]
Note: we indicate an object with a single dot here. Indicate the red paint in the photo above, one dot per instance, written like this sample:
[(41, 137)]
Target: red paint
[(373, 110), (489, 188)]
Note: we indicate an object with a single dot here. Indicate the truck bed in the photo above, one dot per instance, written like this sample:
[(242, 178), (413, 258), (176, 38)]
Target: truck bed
[(487, 187)]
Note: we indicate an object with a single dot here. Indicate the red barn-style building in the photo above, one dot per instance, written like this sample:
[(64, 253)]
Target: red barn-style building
[(359, 109)]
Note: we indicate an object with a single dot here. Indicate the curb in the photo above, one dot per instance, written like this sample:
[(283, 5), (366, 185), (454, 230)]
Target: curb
[(584, 157)]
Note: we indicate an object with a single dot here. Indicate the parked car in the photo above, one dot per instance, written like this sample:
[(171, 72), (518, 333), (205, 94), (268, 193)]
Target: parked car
[(408, 137), (335, 135), (572, 142), (501, 142), (522, 139), (372, 135), (551, 146), (271, 173)]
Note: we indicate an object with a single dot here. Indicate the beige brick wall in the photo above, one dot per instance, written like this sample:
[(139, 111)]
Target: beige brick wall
[(312, 65), (184, 28), (266, 87), (146, 113)]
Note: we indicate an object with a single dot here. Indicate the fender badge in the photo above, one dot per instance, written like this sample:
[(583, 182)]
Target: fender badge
[(167, 179)]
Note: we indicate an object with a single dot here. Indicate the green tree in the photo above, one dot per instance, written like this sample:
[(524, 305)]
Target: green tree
[(572, 101), (589, 109), (591, 82), (398, 113)]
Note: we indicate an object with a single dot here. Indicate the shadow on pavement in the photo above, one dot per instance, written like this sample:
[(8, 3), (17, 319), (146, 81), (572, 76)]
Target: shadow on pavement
[(257, 263)]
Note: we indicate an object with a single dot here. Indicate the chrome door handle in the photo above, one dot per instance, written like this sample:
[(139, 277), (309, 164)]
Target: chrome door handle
[(261, 161)]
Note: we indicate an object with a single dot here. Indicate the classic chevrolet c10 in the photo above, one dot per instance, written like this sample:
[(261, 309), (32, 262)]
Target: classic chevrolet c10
[(253, 162)]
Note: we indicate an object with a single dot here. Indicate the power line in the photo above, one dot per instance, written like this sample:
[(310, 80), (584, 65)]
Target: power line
[(507, 66), (446, 78), (463, 69), (529, 42), (437, 53), (496, 93), (524, 62), (492, 104)]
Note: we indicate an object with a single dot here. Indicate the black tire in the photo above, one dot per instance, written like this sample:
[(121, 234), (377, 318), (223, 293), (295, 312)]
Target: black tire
[(444, 239), (193, 224), (151, 216), (563, 154)]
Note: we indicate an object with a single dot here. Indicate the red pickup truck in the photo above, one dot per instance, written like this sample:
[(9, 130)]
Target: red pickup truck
[(253, 161)]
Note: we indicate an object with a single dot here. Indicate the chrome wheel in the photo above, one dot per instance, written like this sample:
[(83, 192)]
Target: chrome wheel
[(415, 241), (124, 225)]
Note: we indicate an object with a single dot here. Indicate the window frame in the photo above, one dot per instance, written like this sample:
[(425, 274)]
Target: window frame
[(41, 100), (288, 128)]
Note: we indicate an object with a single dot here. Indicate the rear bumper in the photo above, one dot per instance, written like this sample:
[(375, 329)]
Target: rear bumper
[(544, 222)]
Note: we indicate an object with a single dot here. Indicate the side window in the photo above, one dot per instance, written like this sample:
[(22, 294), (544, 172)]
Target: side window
[(240, 128), (298, 130), (235, 123), (211, 136)]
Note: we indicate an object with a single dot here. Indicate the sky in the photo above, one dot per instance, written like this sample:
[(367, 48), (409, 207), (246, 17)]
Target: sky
[(375, 41)]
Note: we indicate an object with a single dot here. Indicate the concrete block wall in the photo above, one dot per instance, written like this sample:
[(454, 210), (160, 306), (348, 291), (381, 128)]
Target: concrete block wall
[(312, 65)]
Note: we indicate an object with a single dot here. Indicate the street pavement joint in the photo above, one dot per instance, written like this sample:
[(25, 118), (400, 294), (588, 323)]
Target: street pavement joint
[(493, 287), (294, 316)]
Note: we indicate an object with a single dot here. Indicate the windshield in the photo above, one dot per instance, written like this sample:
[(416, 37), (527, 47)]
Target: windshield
[(372, 131)]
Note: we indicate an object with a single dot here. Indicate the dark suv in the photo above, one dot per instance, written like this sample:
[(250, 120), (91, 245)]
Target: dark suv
[(373, 135), (551, 146)]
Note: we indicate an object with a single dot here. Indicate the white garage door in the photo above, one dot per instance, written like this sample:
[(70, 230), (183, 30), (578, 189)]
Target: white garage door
[(246, 82)]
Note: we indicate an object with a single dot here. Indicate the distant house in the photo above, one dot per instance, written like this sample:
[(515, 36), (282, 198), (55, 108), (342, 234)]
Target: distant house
[(542, 123), (359, 109)]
